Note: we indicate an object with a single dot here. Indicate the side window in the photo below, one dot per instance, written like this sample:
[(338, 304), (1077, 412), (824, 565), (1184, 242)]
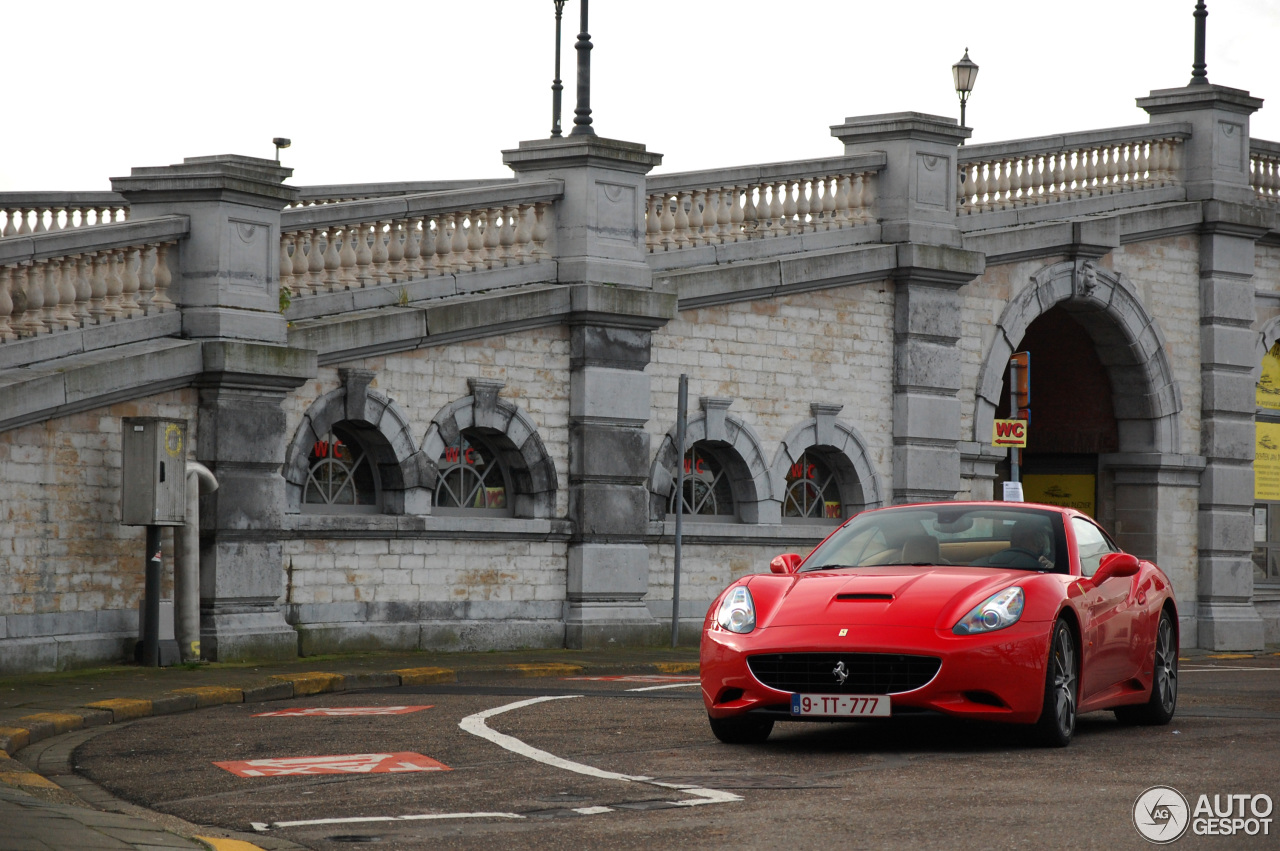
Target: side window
[(340, 477), (472, 477), (1092, 543), (707, 489), (812, 490)]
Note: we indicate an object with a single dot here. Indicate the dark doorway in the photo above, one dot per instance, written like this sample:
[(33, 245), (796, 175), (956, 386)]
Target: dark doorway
[(1072, 419)]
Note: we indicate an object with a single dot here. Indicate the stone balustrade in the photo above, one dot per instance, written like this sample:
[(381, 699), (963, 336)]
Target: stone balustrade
[(1053, 169), (346, 245), (1264, 170), (696, 208), (41, 212), (59, 281)]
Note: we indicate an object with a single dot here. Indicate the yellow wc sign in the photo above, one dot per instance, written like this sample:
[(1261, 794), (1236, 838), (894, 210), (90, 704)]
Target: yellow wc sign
[(1010, 433)]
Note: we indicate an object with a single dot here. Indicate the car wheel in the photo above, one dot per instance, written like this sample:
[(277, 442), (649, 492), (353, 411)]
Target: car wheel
[(743, 730), (1164, 681), (1062, 678)]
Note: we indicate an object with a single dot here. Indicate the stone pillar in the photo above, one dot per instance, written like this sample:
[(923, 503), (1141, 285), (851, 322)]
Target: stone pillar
[(226, 283), (1215, 166), (926, 370), (599, 249), (227, 278)]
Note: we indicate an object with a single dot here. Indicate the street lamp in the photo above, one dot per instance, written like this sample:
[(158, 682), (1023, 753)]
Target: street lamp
[(556, 87), (280, 142), (964, 72)]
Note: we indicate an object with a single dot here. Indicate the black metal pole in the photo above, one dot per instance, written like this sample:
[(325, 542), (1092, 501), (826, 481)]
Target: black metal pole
[(151, 601), (682, 409), (582, 114), (556, 87), (1199, 76), (962, 99)]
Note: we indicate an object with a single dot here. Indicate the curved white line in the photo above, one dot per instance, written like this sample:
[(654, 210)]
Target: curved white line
[(475, 725), (673, 685)]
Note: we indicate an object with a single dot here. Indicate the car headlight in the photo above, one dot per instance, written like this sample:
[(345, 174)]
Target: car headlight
[(995, 612), (737, 611)]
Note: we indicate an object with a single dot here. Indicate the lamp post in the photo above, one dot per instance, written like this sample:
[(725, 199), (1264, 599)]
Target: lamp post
[(280, 142), (964, 72), (582, 113), (556, 87), (1199, 76)]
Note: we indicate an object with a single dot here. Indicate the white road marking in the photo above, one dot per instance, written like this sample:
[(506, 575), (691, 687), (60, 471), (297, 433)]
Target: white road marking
[(673, 685), (262, 827), (1189, 669), (475, 725)]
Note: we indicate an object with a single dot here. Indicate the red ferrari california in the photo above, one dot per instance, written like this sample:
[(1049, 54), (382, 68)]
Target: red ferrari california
[(995, 611)]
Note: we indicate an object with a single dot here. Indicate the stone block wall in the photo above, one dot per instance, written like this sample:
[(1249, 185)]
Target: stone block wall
[(71, 576)]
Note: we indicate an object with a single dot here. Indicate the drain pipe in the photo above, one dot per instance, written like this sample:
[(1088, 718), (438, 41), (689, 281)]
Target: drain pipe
[(186, 565)]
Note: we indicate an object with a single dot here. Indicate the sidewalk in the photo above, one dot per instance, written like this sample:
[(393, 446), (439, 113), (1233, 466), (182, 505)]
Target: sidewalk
[(36, 814)]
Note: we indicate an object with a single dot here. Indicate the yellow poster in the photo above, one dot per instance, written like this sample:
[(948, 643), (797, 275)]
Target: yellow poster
[(1268, 391), (1072, 491), (1266, 462)]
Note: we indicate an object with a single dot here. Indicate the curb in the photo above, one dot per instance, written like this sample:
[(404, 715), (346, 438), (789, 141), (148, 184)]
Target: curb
[(42, 725)]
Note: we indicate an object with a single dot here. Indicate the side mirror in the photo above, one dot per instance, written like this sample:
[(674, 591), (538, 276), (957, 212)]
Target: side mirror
[(1115, 564), (786, 563)]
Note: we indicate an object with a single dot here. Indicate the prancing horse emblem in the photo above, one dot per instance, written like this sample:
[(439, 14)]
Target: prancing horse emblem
[(841, 672)]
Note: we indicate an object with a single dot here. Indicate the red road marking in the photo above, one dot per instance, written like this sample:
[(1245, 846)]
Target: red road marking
[(638, 678), (359, 763), (338, 711)]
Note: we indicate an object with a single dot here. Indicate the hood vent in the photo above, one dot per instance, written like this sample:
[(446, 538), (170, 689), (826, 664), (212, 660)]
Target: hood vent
[(858, 598)]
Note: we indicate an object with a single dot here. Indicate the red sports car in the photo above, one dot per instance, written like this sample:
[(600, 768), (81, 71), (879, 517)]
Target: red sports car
[(995, 611)]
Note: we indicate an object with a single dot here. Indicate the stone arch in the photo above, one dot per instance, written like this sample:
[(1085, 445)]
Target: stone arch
[(1145, 395), (513, 435), (384, 430), (861, 487), (750, 476)]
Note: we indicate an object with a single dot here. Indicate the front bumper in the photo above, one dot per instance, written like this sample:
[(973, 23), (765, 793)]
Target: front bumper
[(998, 676)]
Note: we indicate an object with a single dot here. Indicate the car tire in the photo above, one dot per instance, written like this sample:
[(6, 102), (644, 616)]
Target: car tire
[(1160, 707), (742, 730), (1057, 721)]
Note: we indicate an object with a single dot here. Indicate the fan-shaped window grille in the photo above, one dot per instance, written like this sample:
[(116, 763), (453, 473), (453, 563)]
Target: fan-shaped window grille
[(812, 490), (707, 489), (341, 475), (472, 477)]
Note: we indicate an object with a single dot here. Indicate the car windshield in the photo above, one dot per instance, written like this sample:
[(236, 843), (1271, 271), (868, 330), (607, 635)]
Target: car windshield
[(975, 535)]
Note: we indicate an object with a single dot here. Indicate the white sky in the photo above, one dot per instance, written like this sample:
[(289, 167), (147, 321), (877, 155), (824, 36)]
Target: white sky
[(435, 89)]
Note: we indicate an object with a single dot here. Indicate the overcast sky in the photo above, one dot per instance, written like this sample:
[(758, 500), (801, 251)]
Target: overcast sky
[(433, 90)]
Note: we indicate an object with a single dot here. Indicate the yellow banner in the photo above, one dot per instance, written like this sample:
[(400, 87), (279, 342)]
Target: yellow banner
[(1268, 389), (1266, 462), (1071, 491)]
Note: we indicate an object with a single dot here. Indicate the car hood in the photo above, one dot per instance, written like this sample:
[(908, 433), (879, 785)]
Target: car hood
[(932, 597)]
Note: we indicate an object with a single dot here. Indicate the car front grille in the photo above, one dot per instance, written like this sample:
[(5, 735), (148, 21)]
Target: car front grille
[(867, 673)]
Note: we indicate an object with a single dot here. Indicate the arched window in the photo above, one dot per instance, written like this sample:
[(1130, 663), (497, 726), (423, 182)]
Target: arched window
[(472, 477), (708, 491), (340, 475), (813, 492)]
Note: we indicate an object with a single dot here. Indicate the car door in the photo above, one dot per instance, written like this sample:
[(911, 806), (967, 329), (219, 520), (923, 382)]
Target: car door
[(1109, 615)]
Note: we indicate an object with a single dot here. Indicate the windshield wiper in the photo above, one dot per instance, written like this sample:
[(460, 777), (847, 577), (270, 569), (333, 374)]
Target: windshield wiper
[(828, 567)]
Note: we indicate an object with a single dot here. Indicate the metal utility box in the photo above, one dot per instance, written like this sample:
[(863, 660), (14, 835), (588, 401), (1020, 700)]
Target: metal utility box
[(154, 481)]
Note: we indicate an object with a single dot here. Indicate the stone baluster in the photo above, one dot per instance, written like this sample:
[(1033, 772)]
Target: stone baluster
[(750, 218), (21, 294), (732, 231), (35, 316), (347, 257), (667, 223), (364, 255), (697, 205), (315, 261), (857, 199), (378, 254), (80, 310), (1143, 170), (1092, 157), (541, 230), (711, 228), (146, 279), (1060, 187), (475, 240), (98, 287), (524, 232), (869, 179), (164, 278), (791, 205), (115, 284), (653, 224), (286, 260), (443, 242), (298, 265), (40, 226), (681, 233), (980, 184), (843, 193), (777, 209), (804, 205), (412, 249), (129, 278), (332, 261), (396, 266), (492, 237), (7, 284), (507, 238), (24, 220), (53, 314), (1006, 185), (458, 244)]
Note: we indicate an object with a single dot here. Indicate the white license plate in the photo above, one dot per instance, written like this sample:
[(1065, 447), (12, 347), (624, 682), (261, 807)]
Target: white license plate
[(841, 705)]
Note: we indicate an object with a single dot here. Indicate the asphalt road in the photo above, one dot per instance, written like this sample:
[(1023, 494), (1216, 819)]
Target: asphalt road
[(555, 763)]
